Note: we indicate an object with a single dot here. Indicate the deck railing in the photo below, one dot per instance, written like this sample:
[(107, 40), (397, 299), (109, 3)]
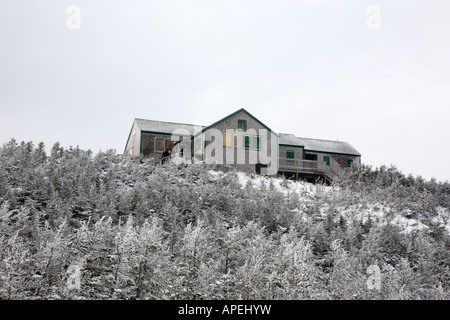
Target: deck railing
[(301, 164), (298, 166), (309, 166)]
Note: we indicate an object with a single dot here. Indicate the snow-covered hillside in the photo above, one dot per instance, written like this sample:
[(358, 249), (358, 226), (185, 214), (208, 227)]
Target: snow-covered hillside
[(406, 220), (83, 226)]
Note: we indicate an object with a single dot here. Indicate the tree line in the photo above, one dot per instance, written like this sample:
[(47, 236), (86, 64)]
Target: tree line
[(79, 225)]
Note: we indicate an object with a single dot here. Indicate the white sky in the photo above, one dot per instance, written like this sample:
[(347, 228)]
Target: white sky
[(312, 68)]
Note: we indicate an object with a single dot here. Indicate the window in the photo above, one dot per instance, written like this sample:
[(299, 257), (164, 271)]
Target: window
[(312, 161), (242, 125), (349, 162), (252, 142), (326, 159), (168, 144), (256, 143), (162, 144), (227, 139), (159, 145), (310, 156), (197, 144), (290, 155)]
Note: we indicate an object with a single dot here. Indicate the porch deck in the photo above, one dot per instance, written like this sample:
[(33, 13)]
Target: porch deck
[(309, 169)]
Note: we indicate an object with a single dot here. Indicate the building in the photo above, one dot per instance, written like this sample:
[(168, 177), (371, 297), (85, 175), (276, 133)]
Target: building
[(241, 140)]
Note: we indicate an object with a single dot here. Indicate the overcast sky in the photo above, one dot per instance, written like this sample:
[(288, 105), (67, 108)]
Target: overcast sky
[(376, 77)]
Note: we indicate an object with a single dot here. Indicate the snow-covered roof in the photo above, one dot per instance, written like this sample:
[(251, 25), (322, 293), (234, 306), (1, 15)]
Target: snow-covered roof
[(166, 127), (320, 145)]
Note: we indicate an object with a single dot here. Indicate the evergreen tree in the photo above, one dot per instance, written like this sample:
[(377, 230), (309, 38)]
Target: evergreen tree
[(74, 225), (295, 271)]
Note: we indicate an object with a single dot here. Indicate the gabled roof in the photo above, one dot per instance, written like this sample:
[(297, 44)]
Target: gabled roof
[(235, 113), (319, 145), (165, 127)]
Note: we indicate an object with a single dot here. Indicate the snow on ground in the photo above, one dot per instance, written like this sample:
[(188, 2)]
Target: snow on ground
[(408, 225), (377, 211), (383, 215), (280, 184), (443, 218)]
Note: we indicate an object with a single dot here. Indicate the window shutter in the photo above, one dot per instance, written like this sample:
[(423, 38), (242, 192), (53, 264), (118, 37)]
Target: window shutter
[(247, 142), (227, 140), (349, 162)]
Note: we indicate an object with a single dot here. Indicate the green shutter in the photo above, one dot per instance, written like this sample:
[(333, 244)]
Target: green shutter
[(290, 155), (247, 142), (327, 160), (349, 162), (258, 145), (255, 142), (242, 125)]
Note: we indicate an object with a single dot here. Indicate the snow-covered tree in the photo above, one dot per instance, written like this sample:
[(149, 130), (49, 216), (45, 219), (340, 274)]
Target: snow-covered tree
[(74, 225), (295, 272)]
